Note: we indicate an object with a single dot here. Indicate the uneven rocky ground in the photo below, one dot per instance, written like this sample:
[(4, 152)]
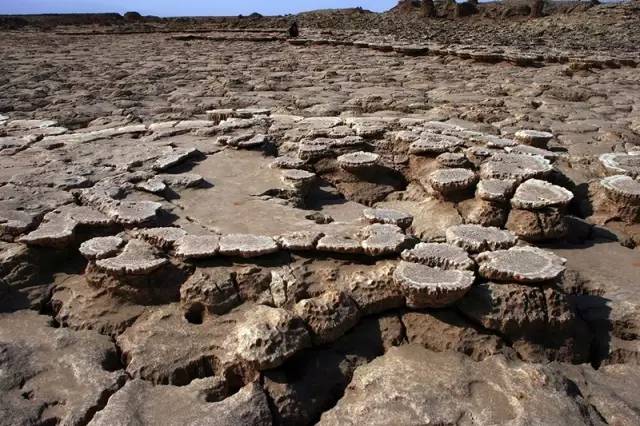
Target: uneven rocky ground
[(348, 228)]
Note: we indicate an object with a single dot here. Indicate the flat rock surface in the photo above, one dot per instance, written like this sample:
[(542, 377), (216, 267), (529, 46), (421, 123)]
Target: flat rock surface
[(478, 238), (427, 287), (537, 194)]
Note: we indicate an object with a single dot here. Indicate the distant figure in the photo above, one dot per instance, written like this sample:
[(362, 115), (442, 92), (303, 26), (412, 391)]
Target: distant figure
[(293, 30)]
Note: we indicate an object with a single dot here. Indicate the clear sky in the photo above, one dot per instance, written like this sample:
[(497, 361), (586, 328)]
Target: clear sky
[(185, 7)]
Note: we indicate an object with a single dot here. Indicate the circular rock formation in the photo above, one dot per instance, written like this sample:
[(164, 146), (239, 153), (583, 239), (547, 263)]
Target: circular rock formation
[(300, 180), (340, 243), (452, 159), (520, 264), (246, 245), (388, 216), (621, 163), (496, 190), (197, 246), (304, 240), (537, 194), (427, 287), (515, 166), (447, 181), (624, 194), (380, 239), (101, 247), (137, 258), (308, 151), (360, 160), (287, 162), (622, 187), (439, 255), (433, 144), (163, 238), (534, 138), (477, 238)]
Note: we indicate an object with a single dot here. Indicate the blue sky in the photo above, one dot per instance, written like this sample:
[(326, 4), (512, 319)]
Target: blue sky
[(185, 7)]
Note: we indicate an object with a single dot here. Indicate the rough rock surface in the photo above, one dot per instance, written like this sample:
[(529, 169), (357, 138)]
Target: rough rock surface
[(439, 255), (537, 194), (220, 202), (268, 336), (328, 316), (540, 323), (141, 403), (53, 375), (425, 382)]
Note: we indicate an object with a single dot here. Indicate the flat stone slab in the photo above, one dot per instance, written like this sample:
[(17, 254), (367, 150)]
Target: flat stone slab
[(358, 160), (247, 245), (515, 166), (133, 212), (254, 142), (174, 158), (491, 141), (340, 243), (451, 180), (478, 238), (181, 180), (427, 287), (303, 240), (153, 185), (137, 258), (497, 190), (622, 187), (521, 264), (452, 159), (287, 162), (56, 230), (433, 144), (197, 246), (310, 151), (538, 194), (439, 255), (621, 163), (534, 137), (388, 216), (298, 178), (163, 237), (101, 247), (532, 150), (382, 239)]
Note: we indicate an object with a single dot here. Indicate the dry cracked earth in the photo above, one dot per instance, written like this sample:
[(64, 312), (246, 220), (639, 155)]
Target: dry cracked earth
[(234, 229)]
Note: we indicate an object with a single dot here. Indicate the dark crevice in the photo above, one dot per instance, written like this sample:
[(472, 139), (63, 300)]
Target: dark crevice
[(275, 414)]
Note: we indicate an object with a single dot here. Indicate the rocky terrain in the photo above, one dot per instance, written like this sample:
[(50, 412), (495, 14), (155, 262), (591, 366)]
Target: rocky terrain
[(411, 221)]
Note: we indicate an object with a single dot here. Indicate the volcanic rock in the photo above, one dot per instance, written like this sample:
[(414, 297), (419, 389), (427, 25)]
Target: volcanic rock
[(427, 287), (520, 264), (477, 238)]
